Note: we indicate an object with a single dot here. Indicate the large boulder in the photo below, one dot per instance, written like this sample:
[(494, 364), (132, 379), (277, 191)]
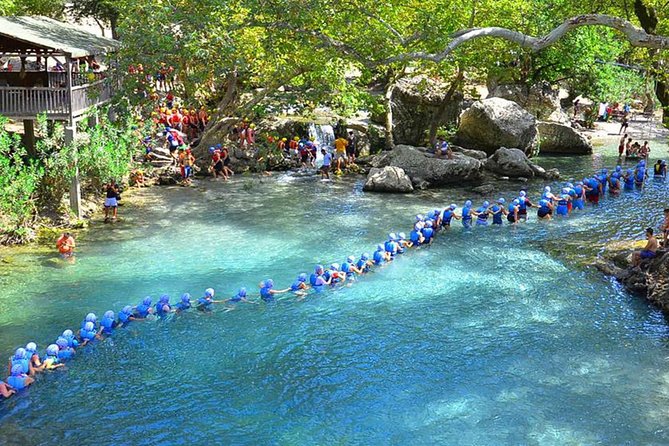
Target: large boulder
[(514, 163), (541, 99), (388, 179), (417, 102), (425, 169), (562, 139), (493, 123)]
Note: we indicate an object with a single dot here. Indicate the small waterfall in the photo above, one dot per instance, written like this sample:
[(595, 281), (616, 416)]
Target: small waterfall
[(323, 135)]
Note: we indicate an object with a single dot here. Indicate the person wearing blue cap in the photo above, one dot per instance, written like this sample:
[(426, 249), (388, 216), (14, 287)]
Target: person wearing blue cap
[(300, 285), (33, 357), (349, 268), (334, 275), (380, 255), (615, 185), (88, 333), (364, 264), (65, 352), (20, 358), (640, 173), (467, 214), (267, 291), (513, 212), (125, 316), (427, 232), (578, 201), (482, 214), (71, 338), (447, 215), (563, 203), (184, 304), (545, 208), (628, 178), (403, 242), (205, 302), (320, 282), (143, 310), (416, 235), (51, 361), (498, 211), (18, 380), (240, 297), (90, 317), (391, 245), (318, 271), (107, 323), (163, 307), (523, 204)]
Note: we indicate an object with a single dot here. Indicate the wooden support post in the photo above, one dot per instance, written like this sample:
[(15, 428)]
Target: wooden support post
[(29, 137), (75, 186)]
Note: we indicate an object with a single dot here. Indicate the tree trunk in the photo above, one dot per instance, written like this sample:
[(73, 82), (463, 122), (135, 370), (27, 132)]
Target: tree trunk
[(390, 140), (231, 93), (438, 116), (113, 24)]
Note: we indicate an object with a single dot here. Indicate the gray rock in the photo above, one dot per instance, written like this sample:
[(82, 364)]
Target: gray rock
[(514, 163), (435, 171), (388, 179), (541, 99), (558, 138), (494, 123), (485, 189), (476, 154)]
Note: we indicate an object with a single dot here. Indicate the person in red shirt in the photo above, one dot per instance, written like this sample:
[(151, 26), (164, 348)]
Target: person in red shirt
[(169, 99), (175, 120)]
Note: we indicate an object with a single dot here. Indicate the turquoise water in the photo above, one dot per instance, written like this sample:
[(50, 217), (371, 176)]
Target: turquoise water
[(487, 337)]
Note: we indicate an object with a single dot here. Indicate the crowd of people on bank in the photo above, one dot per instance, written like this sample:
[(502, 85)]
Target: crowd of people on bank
[(26, 362)]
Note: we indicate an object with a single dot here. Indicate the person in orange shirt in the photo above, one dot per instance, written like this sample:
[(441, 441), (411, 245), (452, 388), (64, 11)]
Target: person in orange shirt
[(340, 151), (65, 245)]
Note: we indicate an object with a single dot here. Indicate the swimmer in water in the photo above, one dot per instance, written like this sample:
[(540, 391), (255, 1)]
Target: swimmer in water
[(498, 211), (20, 358), (563, 203), (143, 310), (545, 208), (125, 316), (90, 317), (428, 232), (51, 361), (349, 268), (447, 215), (205, 302), (628, 180), (579, 196), (513, 212), (183, 305), (33, 357), (320, 281), (380, 255), (523, 204), (72, 341), (482, 214), (403, 242), (391, 245), (240, 297), (467, 215), (65, 352), (335, 275), (88, 333), (267, 291), (18, 380), (416, 235), (108, 323), (364, 264), (300, 286), (163, 307)]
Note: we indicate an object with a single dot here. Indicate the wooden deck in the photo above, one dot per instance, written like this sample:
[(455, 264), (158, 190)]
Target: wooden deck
[(26, 103)]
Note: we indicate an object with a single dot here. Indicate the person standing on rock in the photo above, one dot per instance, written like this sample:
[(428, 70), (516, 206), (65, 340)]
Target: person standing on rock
[(624, 124), (648, 252), (340, 151)]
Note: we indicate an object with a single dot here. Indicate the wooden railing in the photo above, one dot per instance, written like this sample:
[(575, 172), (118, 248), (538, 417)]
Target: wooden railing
[(28, 102), (24, 102), (88, 95)]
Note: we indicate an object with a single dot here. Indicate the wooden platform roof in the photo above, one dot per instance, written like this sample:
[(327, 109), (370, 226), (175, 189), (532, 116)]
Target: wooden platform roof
[(45, 35)]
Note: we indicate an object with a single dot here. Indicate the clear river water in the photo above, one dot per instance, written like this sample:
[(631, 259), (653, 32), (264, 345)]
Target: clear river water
[(491, 337)]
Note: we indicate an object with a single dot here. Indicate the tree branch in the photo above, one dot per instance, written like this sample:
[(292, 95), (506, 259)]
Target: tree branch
[(636, 37)]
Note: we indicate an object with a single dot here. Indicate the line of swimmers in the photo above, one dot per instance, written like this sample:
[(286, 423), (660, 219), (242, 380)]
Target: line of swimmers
[(26, 362)]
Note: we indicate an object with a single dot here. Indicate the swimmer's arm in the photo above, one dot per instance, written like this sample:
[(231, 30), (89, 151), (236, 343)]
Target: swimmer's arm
[(279, 291)]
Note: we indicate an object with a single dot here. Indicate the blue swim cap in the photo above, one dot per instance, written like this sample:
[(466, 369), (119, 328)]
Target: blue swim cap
[(605, 171), (88, 326), (20, 353), (61, 342), (618, 168), (164, 298), (269, 283), (127, 310), (630, 170), (302, 277), (429, 223), (453, 206), (211, 150), (218, 146), (334, 267), (430, 214), (501, 201), (468, 203), (242, 292), (318, 268), (68, 333), (380, 247), (17, 370), (350, 259), (109, 314), (486, 204), (365, 256), (52, 350), (185, 298), (402, 235), (547, 189), (31, 347), (570, 185), (90, 317), (392, 236), (147, 301), (419, 217), (516, 201), (522, 193), (417, 227), (209, 292), (565, 190)]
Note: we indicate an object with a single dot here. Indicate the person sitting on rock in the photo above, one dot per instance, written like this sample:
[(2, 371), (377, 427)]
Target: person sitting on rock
[(648, 252)]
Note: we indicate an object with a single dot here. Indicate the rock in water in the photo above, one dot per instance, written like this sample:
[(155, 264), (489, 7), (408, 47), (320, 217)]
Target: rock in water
[(388, 179), (558, 138), (435, 171), (514, 163), (493, 123)]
